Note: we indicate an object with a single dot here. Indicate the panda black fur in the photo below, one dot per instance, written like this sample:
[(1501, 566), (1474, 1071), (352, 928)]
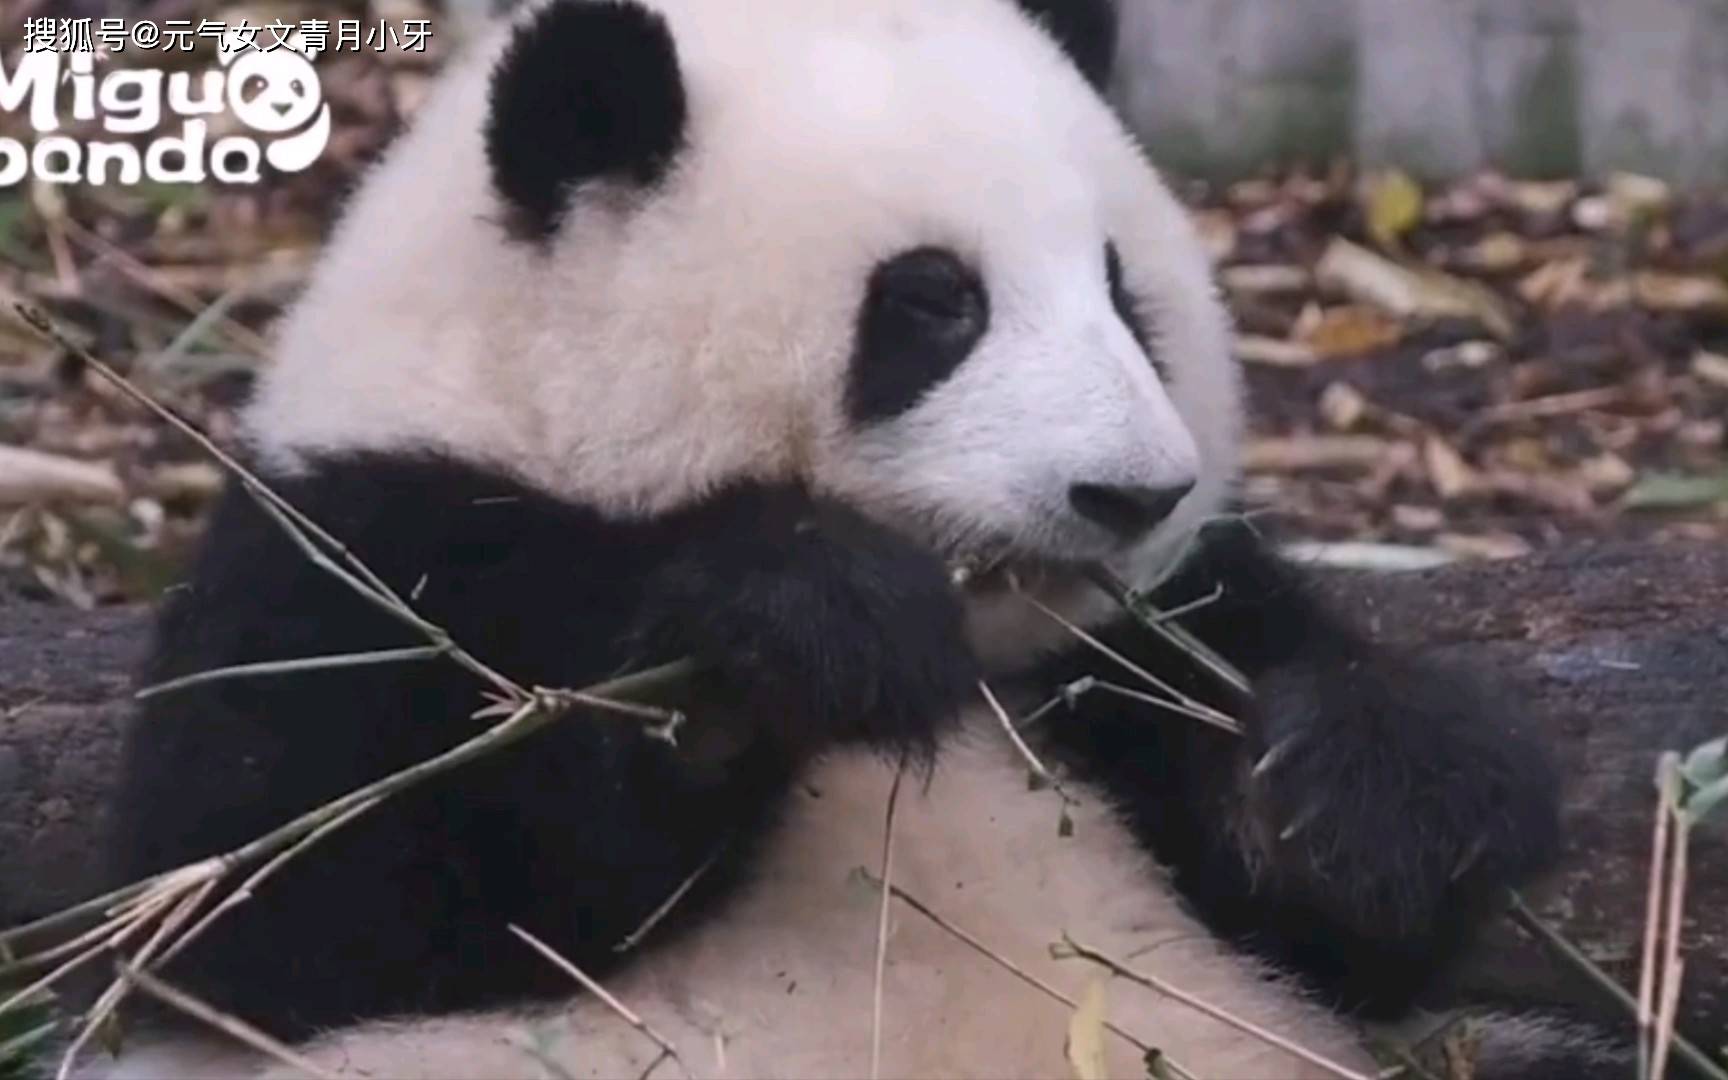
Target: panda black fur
[(678, 328)]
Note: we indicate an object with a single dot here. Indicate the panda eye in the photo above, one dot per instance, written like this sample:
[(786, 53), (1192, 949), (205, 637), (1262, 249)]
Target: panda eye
[(930, 286), (924, 312)]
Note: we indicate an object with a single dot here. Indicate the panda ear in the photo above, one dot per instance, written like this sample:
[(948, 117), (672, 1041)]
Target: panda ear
[(1086, 30), (586, 90)]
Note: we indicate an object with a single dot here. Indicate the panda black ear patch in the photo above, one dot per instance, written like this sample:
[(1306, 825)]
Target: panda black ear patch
[(1086, 30), (586, 90)]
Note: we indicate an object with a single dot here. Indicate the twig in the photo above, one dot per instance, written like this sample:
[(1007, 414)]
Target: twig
[(1521, 914), (1038, 768), (1011, 967), (182, 892), (1672, 967), (658, 915), (1065, 695), (187, 887), (882, 922), (1119, 690), (1182, 703), (249, 887), (1158, 985), (243, 336), (221, 1021), (75, 913), (667, 1050), (188, 903), (293, 667), (1667, 778), (112, 935), (1164, 625)]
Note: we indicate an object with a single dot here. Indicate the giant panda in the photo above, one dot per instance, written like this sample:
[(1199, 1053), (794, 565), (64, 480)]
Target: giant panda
[(727, 331)]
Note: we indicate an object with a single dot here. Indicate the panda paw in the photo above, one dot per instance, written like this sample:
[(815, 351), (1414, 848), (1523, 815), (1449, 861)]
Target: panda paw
[(1390, 796), (828, 627)]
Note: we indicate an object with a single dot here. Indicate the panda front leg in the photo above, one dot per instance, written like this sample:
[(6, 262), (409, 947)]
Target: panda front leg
[(1372, 811), (826, 626)]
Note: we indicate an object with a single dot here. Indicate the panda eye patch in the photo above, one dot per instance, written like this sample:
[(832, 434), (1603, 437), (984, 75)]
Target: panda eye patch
[(924, 312)]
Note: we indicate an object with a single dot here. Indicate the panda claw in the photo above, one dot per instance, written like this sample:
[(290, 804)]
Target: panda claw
[(1303, 820), (1472, 855)]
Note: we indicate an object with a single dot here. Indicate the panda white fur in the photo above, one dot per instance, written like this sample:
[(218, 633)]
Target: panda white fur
[(683, 328)]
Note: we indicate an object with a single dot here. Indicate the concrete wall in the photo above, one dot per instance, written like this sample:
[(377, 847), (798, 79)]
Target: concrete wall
[(1537, 87)]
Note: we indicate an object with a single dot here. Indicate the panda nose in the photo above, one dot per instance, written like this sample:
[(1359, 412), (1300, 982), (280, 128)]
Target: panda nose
[(1128, 510)]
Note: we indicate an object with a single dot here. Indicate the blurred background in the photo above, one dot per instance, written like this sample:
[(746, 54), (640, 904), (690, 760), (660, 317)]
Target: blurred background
[(1477, 249)]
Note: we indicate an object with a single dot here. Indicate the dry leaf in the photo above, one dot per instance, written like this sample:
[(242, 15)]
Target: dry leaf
[(1542, 198), (1085, 1047), (1634, 197), (1471, 354), (1684, 293), (1342, 406), (1558, 493), (1494, 546), (1392, 206), (1373, 279), (1606, 473), (1594, 214), (1274, 353), (1447, 470), (1266, 280), (1217, 229), (1418, 518), (1352, 330), (31, 476), (1496, 253), (1316, 452), (1672, 491), (1711, 367)]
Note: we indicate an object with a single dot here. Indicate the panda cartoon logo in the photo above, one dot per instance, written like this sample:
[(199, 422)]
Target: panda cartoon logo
[(277, 91)]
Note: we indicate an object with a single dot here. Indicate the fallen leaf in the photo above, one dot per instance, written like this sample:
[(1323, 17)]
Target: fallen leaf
[(1606, 473), (1274, 353), (1492, 546), (1352, 330), (1217, 229), (1342, 406), (1496, 253), (1418, 518), (1684, 293), (1304, 454), (1554, 492), (1711, 367), (1593, 214), (1471, 354), (1542, 198), (1266, 279), (31, 476), (1085, 1048), (1392, 206), (1447, 470), (1410, 292), (1673, 491), (1634, 197)]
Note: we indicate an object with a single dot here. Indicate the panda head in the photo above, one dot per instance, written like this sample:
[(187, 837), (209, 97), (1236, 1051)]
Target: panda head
[(901, 252)]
